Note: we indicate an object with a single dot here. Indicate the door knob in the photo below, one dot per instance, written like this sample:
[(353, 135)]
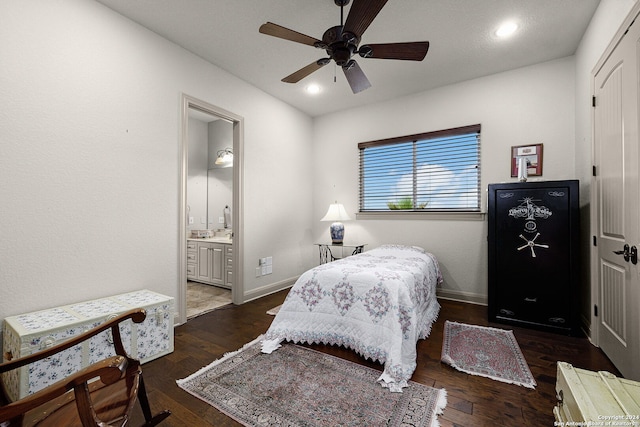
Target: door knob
[(625, 253), (634, 255)]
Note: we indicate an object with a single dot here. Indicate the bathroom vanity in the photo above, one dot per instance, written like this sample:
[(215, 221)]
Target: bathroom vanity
[(210, 261)]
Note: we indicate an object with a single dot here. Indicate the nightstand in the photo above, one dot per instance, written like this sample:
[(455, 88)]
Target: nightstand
[(332, 251)]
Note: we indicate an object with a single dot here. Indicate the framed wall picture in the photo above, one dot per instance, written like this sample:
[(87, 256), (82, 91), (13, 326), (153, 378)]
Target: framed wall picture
[(533, 154)]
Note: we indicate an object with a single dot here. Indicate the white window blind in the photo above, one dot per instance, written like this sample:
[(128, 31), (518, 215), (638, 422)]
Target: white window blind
[(435, 171)]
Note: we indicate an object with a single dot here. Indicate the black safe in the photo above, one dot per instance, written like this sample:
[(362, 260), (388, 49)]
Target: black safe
[(533, 254)]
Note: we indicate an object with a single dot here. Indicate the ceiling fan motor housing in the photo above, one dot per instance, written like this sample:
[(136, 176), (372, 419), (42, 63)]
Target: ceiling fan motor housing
[(338, 47)]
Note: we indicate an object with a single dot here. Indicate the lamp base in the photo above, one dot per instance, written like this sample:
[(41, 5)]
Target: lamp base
[(337, 233)]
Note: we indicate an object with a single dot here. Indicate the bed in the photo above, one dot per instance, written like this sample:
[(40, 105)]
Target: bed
[(377, 303)]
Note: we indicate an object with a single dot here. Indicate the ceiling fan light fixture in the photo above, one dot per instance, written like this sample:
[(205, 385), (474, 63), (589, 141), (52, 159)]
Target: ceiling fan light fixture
[(365, 51), (506, 29), (349, 64)]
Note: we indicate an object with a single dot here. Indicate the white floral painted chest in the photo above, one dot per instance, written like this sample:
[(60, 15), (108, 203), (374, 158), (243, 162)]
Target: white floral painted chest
[(32, 332), (587, 398)]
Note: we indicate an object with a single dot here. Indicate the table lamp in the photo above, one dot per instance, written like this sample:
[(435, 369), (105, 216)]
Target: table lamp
[(336, 213)]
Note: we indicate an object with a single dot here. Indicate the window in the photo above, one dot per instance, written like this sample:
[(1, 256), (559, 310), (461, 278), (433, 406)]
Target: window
[(435, 171)]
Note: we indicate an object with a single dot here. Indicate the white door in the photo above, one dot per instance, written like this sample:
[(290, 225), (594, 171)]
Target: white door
[(617, 203)]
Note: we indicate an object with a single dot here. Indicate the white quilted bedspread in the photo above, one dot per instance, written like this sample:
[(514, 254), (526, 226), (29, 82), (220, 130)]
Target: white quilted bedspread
[(378, 303)]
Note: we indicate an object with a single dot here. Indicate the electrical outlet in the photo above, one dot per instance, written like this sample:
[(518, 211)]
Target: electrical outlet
[(190, 220), (220, 220)]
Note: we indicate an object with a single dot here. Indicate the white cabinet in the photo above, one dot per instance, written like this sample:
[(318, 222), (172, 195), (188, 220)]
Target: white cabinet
[(213, 263), (210, 263)]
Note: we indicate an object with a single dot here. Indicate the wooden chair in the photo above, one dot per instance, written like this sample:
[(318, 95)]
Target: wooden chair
[(102, 394)]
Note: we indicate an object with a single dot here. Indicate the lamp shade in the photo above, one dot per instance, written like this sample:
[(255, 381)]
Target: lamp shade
[(336, 212)]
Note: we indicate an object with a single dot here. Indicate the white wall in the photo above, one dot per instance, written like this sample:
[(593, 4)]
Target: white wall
[(89, 158), (526, 106)]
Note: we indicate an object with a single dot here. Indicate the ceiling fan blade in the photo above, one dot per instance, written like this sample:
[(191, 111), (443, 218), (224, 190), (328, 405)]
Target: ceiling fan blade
[(355, 76), (361, 15), (305, 71), (411, 51), (279, 31)]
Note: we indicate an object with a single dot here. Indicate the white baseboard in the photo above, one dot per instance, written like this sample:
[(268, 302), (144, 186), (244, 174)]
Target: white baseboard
[(462, 296), (269, 289)]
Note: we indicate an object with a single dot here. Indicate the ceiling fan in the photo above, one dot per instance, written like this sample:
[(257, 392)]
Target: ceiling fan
[(341, 43)]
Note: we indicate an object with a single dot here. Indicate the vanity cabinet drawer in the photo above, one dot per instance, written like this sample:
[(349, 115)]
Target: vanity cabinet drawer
[(191, 270), (229, 279), (192, 259)]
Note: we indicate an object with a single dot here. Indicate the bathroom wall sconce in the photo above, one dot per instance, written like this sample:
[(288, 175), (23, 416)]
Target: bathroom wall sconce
[(224, 158)]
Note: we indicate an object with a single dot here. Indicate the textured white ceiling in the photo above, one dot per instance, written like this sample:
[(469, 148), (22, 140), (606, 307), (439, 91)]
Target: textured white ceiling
[(461, 35)]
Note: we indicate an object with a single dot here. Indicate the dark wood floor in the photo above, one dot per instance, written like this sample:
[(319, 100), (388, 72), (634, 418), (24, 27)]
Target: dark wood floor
[(472, 400)]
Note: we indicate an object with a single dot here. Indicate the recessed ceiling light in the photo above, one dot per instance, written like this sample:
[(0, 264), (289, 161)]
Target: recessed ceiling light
[(506, 29), (313, 89)]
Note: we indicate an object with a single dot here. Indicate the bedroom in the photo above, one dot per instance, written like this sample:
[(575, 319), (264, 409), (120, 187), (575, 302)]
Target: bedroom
[(90, 156)]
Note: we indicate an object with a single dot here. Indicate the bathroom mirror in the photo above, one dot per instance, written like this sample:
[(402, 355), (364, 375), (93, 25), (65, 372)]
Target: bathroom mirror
[(209, 186)]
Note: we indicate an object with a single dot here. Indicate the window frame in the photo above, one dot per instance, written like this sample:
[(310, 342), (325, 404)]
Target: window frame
[(453, 213)]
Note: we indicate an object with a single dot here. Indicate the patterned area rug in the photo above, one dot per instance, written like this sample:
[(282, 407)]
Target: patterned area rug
[(488, 352), (297, 386)]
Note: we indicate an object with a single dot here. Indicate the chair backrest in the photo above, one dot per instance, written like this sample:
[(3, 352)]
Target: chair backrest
[(102, 394)]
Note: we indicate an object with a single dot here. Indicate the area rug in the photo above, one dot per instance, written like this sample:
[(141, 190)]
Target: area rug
[(274, 310), (488, 352), (298, 386)]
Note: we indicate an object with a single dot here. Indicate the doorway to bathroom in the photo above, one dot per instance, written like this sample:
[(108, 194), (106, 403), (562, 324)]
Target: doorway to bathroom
[(210, 208)]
